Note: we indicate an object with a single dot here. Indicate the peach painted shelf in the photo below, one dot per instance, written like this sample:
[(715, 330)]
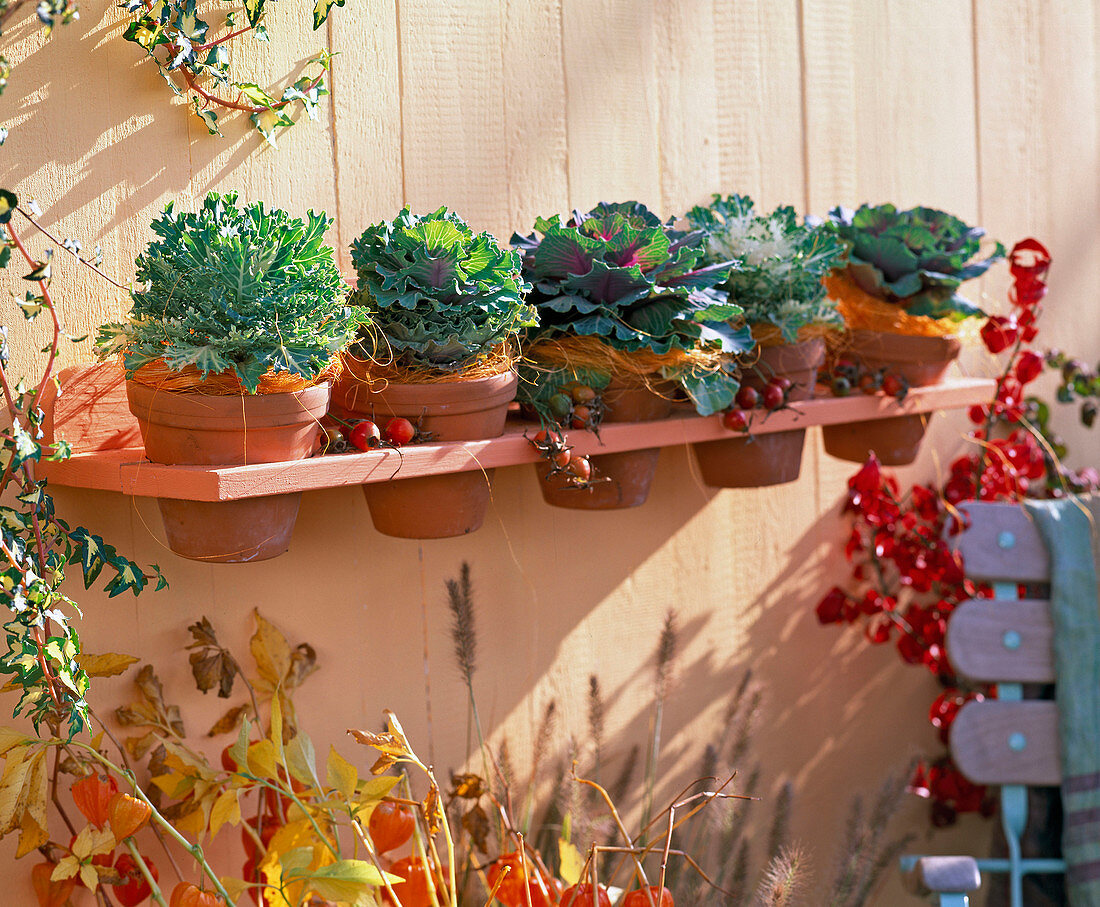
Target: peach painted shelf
[(125, 470)]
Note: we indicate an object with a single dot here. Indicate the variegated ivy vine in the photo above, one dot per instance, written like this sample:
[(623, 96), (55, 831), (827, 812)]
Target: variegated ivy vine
[(193, 59)]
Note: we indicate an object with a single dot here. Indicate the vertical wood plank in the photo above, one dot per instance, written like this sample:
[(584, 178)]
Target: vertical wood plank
[(612, 96), (1038, 124), (915, 114), (534, 112), (366, 102), (829, 97), (757, 56), (454, 140), (688, 96)]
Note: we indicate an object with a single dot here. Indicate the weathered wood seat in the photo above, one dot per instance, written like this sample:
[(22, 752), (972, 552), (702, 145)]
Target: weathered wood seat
[(1006, 741)]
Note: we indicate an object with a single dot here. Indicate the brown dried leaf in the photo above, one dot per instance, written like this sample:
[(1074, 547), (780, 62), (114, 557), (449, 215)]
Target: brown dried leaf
[(467, 786), (432, 809), (383, 765), (213, 669), (149, 685), (203, 633), (228, 722), (303, 662), (137, 747), (476, 823)]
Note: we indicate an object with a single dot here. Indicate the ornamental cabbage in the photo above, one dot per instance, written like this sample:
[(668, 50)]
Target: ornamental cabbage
[(779, 262), (915, 259), (619, 274), (245, 290), (439, 295)]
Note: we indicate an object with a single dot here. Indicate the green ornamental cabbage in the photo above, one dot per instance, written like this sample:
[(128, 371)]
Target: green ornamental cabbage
[(915, 259), (780, 262), (619, 274), (245, 289), (439, 295)]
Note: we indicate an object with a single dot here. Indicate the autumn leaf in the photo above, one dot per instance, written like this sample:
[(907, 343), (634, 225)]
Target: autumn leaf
[(572, 863), (344, 880), (108, 665), (270, 650), (341, 775), (467, 786), (227, 808), (211, 665), (228, 721), (476, 823)]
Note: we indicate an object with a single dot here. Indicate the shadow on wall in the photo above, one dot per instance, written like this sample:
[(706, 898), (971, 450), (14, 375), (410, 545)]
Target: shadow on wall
[(132, 127)]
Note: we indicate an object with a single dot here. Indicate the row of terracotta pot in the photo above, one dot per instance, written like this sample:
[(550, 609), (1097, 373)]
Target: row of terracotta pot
[(201, 430)]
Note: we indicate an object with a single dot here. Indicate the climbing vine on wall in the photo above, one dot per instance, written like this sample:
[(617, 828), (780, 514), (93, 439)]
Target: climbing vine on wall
[(193, 58)]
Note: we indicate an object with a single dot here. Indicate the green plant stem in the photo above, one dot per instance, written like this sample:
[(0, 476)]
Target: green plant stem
[(149, 880), (335, 851), (195, 850)]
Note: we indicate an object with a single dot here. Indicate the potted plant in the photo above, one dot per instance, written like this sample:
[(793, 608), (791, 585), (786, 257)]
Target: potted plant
[(779, 266), (228, 351), (898, 297), (628, 309), (444, 306)]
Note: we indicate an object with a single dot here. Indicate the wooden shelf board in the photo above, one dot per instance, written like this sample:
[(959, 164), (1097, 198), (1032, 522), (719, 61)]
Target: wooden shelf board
[(125, 470)]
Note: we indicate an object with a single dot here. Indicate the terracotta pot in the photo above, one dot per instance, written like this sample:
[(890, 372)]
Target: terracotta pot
[(432, 507), (628, 474), (181, 429), (919, 360), (776, 457)]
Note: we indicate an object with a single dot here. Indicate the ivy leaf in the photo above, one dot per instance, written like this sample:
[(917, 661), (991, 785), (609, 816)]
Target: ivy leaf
[(321, 10), (8, 202), (129, 576), (255, 94), (209, 117), (41, 270), (267, 121), (254, 9)]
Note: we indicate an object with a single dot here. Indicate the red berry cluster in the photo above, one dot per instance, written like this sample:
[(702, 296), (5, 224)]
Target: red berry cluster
[(772, 397), (338, 436), (905, 579)]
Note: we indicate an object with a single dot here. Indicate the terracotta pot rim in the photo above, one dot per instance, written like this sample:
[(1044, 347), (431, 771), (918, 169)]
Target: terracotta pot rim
[(493, 390), (917, 346), (209, 412)]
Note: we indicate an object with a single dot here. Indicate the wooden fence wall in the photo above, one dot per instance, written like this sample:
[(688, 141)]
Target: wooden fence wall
[(508, 109)]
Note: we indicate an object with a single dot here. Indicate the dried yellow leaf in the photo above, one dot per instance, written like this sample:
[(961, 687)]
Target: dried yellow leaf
[(110, 664)]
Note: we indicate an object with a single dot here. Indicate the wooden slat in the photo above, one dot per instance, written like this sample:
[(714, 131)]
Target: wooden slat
[(1001, 543), (534, 112), (829, 48), (983, 735), (688, 105), (91, 412), (453, 111), (366, 104), (612, 101), (127, 472), (761, 156), (996, 640)]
